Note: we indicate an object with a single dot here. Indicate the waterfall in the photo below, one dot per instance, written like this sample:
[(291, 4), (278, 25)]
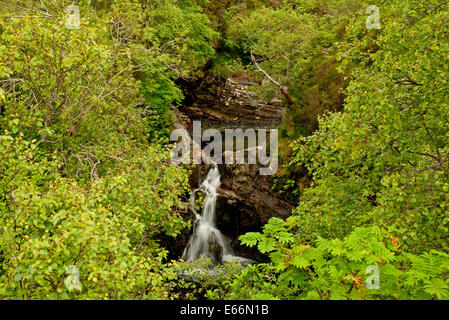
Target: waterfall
[(207, 241)]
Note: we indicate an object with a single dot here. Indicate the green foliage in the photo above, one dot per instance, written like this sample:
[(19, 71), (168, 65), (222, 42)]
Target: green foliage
[(86, 179), (384, 159), (159, 94), (227, 63), (50, 222), (273, 34), (200, 280), (337, 268), (379, 171), (80, 185), (219, 10), (296, 45)]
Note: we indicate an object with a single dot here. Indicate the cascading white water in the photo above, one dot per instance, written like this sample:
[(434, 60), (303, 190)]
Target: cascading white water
[(207, 241)]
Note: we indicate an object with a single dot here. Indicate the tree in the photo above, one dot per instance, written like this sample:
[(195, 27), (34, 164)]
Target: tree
[(379, 169), (80, 184)]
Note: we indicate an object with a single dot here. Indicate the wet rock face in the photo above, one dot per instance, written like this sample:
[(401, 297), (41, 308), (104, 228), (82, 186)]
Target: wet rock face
[(226, 102), (243, 183), (245, 203), (216, 251)]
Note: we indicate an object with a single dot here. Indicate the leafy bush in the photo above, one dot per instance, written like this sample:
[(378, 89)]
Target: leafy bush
[(337, 268)]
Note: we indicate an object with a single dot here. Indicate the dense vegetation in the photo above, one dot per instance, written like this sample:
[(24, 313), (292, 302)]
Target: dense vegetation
[(86, 179)]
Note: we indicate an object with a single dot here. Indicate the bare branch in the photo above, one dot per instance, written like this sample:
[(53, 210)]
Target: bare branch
[(284, 90)]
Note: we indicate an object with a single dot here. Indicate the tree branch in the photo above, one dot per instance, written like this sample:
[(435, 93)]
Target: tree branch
[(284, 90)]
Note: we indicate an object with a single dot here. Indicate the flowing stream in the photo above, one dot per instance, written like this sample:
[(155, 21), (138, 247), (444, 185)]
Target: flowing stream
[(207, 241)]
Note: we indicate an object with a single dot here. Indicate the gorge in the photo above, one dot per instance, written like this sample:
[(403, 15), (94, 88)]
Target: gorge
[(237, 198)]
